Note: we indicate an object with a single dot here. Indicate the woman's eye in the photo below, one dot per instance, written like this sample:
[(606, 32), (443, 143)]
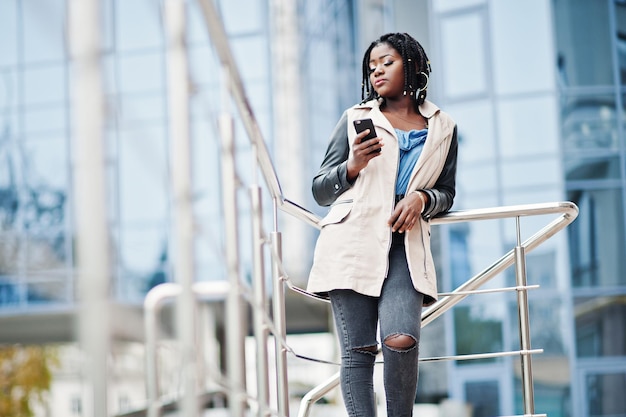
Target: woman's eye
[(371, 70), (388, 63)]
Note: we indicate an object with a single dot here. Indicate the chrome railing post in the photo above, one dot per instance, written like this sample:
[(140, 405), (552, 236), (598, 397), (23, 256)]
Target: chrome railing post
[(524, 326), (278, 305), (259, 312), (155, 299), (235, 318), (152, 304)]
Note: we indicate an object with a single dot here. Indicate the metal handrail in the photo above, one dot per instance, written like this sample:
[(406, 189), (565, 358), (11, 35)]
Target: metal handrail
[(568, 212), (154, 301)]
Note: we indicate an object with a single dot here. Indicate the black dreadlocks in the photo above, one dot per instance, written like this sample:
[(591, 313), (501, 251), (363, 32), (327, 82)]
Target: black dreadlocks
[(415, 82)]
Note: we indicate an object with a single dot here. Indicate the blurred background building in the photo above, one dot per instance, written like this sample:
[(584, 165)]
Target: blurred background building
[(537, 87)]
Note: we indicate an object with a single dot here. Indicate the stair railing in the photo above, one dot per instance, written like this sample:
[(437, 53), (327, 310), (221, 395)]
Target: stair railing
[(262, 322)]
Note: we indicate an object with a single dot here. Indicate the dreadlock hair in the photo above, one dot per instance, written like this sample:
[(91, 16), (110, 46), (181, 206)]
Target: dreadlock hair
[(415, 83)]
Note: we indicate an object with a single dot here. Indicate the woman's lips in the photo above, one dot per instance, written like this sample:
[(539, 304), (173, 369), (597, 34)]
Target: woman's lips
[(379, 82)]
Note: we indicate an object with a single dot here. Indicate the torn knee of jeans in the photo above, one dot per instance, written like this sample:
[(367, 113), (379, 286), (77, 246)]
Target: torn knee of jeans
[(400, 342), (369, 350)]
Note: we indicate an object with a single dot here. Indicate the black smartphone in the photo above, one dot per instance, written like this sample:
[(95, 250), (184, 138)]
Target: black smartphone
[(361, 124)]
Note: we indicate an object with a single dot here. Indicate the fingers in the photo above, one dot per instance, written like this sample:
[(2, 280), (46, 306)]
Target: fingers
[(366, 148), (403, 217)]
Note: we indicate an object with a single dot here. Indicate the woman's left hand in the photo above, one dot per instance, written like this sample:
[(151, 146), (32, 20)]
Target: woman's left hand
[(407, 212)]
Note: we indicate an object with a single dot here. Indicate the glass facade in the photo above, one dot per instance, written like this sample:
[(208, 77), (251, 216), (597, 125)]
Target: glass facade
[(540, 106), (541, 118)]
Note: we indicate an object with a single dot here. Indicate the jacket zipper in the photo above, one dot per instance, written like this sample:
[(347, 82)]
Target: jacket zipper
[(395, 183)]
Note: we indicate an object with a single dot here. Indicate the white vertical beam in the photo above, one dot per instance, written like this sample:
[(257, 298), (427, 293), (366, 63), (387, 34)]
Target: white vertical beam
[(289, 146), (93, 258), (182, 232)]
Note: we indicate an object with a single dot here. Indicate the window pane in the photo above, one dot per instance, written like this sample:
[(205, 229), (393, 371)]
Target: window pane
[(449, 5), (45, 252), (45, 121), (551, 383), (8, 33), (580, 55), (596, 239), (463, 45), (598, 168), (243, 16), (484, 396), (548, 331), (605, 394), (600, 326), (514, 72), (143, 186), (589, 123), (47, 168), (620, 22), (141, 73), (138, 24), (48, 288), (8, 98), (44, 85), (44, 30), (144, 257), (478, 329), (11, 249)]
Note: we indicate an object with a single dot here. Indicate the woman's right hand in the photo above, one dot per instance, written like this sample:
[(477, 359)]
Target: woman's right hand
[(362, 153)]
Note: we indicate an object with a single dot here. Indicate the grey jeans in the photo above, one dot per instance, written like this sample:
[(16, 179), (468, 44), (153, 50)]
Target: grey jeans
[(398, 309)]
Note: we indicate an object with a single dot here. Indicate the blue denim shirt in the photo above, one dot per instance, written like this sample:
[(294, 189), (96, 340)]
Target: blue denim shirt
[(411, 144)]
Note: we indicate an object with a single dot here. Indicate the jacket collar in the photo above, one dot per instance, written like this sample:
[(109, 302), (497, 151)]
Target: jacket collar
[(428, 109)]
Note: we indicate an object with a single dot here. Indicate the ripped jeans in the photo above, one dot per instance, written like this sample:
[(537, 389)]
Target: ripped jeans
[(399, 310)]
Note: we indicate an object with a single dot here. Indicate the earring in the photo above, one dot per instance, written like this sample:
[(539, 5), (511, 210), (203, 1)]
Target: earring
[(421, 92), (426, 83)]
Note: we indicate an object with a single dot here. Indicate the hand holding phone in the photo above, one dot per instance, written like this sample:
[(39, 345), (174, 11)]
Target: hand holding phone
[(362, 124)]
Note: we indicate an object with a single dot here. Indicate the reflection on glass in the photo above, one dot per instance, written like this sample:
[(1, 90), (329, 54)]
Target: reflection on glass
[(484, 396), (477, 331), (546, 326), (605, 394), (552, 393), (540, 269), (459, 255), (589, 123), (48, 291), (600, 324), (580, 55), (596, 239), (620, 38), (580, 168)]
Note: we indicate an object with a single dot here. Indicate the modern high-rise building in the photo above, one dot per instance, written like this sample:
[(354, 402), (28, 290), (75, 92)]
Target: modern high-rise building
[(538, 91)]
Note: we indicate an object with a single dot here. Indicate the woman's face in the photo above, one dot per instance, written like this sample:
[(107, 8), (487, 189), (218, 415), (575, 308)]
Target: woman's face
[(386, 71)]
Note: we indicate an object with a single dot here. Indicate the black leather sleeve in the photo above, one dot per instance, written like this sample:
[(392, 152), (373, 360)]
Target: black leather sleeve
[(441, 196), (331, 179)]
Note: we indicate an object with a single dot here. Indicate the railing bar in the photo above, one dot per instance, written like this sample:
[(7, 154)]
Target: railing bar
[(528, 415), (475, 356), (215, 27), (492, 213), (299, 212), (504, 289), (445, 303), (566, 208)]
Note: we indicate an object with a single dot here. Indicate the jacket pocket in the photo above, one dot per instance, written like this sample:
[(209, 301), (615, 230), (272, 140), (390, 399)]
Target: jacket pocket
[(338, 212)]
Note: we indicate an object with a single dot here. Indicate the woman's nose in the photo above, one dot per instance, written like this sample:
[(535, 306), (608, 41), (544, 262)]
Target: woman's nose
[(378, 69)]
